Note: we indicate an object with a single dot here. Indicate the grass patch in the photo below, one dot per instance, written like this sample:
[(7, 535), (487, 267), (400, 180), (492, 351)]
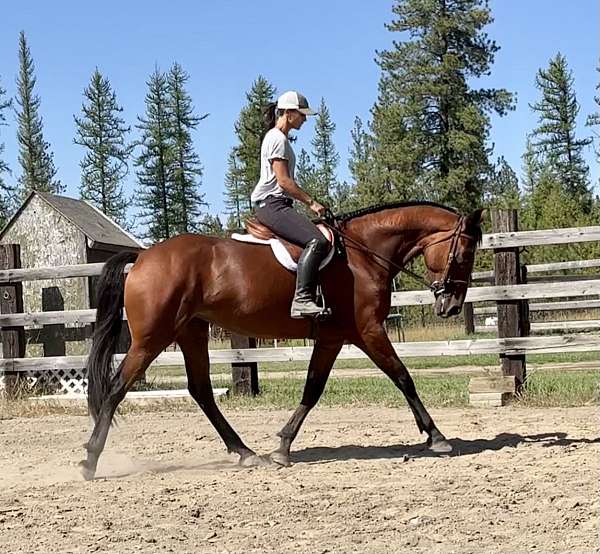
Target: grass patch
[(543, 389), (374, 391), (553, 388)]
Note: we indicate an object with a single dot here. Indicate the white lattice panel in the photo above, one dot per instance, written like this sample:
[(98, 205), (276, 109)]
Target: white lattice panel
[(56, 381)]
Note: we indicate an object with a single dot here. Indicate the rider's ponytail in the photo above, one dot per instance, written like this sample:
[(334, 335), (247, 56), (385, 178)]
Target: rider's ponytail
[(270, 116)]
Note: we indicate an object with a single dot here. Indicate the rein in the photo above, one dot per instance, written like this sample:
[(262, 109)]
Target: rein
[(437, 287)]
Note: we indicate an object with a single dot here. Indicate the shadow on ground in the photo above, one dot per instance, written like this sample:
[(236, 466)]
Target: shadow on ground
[(460, 447)]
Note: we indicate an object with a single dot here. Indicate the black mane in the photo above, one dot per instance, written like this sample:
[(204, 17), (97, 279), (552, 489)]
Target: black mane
[(391, 205)]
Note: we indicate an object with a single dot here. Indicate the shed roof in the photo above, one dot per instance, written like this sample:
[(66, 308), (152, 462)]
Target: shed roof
[(96, 226)]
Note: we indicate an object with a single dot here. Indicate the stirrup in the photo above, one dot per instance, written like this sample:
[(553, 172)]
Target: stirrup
[(301, 309), (315, 309)]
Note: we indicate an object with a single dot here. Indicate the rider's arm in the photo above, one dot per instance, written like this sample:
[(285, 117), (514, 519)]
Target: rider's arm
[(280, 168)]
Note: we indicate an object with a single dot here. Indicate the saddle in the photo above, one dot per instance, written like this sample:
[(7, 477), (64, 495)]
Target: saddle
[(286, 253)]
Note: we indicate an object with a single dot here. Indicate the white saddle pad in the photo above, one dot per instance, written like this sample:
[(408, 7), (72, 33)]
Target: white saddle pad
[(280, 251)]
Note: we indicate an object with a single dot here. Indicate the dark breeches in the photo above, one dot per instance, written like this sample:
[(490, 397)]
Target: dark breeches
[(278, 214)]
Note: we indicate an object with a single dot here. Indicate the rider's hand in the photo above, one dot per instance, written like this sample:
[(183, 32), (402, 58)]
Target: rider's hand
[(319, 209)]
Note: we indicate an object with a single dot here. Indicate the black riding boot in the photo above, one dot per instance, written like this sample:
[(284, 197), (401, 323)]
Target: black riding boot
[(304, 304)]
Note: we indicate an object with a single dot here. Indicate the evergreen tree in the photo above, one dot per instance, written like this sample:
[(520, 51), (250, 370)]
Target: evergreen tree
[(101, 131), (367, 189), (593, 120), (555, 137), (325, 156), (154, 193), (503, 187), (306, 175), (6, 191), (235, 200), (211, 225), (430, 127), (531, 168), (249, 129), (37, 162), (394, 166), (186, 172)]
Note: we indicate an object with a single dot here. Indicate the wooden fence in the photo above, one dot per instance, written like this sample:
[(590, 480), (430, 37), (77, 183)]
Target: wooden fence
[(511, 345)]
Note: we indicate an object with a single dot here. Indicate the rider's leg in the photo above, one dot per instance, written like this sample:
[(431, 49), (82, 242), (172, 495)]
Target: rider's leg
[(304, 302), (277, 214)]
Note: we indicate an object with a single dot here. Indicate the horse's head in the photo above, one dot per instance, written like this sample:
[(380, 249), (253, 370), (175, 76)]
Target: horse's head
[(449, 257)]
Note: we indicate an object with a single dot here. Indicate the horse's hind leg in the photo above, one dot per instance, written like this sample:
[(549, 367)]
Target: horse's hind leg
[(131, 368), (193, 340), (321, 362)]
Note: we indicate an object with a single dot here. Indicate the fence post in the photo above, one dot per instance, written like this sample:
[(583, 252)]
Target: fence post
[(53, 335), (507, 271), (11, 302), (244, 374), (469, 318)]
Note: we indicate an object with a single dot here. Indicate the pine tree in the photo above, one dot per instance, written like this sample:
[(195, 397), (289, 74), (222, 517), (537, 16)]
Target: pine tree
[(430, 127), (360, 153), (37, 162), (531, 168), (305, 174), (395, 168), (325, 157), (503, 187), (249, 129), (211, 225), (187, 171), (366, 190), (235, 201), (555, 137), (154, 193), (101, 131), (306, 177), (6, 191), (593, 120)]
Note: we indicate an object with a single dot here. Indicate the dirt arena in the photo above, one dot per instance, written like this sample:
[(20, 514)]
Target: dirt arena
[(521, 480)]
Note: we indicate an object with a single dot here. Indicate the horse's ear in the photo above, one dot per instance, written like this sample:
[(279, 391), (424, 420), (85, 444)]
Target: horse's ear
[(476, 217)]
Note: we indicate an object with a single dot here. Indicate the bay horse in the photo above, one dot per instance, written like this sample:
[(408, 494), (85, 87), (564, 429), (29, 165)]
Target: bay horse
[(175, 288)]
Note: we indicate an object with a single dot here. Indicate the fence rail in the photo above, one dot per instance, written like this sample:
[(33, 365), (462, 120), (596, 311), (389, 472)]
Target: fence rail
[(541, 237), (513, 345), (543, 268), (546, 306)]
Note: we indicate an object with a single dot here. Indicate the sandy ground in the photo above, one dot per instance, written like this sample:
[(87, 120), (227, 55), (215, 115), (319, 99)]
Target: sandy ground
[(521, 480)]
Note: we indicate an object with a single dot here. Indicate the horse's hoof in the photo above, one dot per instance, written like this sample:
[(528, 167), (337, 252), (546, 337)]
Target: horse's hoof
[(440, 446), (87, 472), (254, 460), (282, 460)]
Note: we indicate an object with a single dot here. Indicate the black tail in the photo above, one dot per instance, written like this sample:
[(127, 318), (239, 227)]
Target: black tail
[(109, 315)]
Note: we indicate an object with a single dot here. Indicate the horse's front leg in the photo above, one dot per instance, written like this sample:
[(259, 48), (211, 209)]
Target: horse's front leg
[(376, 344), (321, 361)]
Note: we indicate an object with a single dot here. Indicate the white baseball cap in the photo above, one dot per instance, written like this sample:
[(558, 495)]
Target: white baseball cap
[(292, 100)]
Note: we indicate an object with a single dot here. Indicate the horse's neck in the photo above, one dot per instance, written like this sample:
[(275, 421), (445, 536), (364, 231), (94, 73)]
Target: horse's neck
[(397, 234)]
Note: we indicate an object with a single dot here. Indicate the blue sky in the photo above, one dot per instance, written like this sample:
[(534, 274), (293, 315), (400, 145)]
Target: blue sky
[(326, 49)]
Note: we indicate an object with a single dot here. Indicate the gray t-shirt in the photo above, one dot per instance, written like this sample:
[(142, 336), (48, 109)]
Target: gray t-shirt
[(275, 146)]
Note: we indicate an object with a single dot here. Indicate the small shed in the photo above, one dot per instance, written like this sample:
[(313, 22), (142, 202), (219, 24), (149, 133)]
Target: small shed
[(57, 231)]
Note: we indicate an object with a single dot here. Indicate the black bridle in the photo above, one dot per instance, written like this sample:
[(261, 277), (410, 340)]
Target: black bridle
[(439, 286)]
